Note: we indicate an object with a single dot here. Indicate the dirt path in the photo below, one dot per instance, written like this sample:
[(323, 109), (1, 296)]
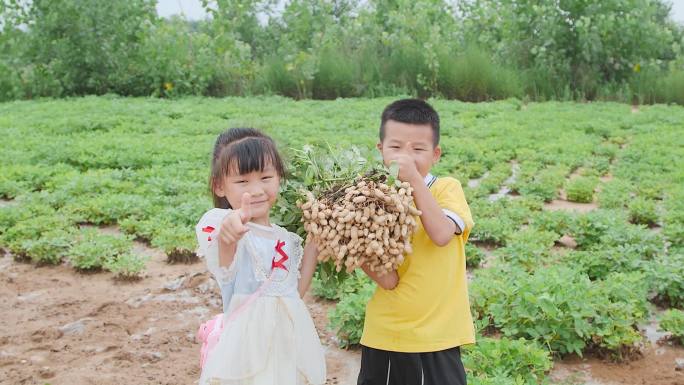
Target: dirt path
[(62, 327)]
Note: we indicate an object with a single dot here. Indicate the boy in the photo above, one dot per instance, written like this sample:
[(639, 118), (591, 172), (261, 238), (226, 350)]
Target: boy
[(420, 316)]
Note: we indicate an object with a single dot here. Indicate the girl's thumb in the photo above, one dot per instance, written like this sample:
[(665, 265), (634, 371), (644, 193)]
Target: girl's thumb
[(245, 208)]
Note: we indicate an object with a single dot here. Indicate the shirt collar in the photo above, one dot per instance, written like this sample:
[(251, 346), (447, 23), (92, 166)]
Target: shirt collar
[(429, 179)]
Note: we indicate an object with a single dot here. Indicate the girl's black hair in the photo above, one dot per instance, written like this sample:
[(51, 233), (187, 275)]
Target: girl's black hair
[(243, 150)]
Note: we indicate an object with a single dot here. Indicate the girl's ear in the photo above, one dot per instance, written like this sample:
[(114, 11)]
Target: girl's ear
[(218, 189), (379, 146)]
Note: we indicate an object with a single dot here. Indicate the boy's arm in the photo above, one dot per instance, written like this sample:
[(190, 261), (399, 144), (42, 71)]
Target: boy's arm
[(437, 225), (308, 267), (387, 281)]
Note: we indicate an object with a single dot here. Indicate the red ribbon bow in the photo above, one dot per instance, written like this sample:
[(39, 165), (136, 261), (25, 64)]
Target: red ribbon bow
[(209, 230), (280, 263)]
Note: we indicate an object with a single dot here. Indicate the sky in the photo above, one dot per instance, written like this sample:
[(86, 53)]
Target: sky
[(193, 9)]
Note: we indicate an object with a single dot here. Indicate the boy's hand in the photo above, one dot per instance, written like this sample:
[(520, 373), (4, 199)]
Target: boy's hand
[(233, 226), (407, 169)]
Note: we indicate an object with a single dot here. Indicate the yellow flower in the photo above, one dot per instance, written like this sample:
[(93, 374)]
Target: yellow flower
[(637, 67), (168, 86)]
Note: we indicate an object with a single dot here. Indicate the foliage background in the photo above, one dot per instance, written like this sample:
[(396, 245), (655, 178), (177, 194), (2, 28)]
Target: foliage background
[(473, 50)]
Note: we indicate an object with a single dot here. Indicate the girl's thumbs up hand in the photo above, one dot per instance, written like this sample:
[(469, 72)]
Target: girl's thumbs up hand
[(233, 226), (245, 208)]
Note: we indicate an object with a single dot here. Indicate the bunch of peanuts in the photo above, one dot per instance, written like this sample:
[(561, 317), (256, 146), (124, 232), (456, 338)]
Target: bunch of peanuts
[(368, 222)]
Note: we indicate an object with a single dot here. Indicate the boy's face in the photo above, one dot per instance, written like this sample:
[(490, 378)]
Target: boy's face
[(414, 141)]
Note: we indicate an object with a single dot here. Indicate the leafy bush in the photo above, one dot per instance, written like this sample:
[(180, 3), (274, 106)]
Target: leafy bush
[(643, 211), (667, 278), (527, 248), (576, 42), (558, 222), (329, 284), (127, 265), (49, 248), (348, 316), (38, 234), (597, 263), (673, 219), (615, 194), (492, 230), (473, 76), (589, 228), (672, 321), (543, 185), (94, 250), (178, 242), (506, 361), (474, 255), (581, 189), (559, 307)]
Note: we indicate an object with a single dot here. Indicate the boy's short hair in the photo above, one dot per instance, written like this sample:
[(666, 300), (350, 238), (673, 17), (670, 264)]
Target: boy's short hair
[(412, 111)]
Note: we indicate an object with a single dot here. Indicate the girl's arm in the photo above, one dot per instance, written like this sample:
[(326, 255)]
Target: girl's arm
[(387, 281), (226, 252), (306, 271)]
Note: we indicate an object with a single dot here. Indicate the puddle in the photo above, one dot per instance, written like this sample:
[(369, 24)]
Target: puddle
[(474, 183), (505, 189), (650, 330), (7, 203)]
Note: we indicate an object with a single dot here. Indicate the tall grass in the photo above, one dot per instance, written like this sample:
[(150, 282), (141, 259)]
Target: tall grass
[(473, 76)]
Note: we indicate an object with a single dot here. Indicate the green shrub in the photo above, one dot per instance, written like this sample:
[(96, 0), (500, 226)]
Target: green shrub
[(673, 219), (337, 74), (581, 189), (597, 263), (643, 211), (558, 222), (670, 88), (348, 316), (94, 250), (473, 76), (329, 284), (24, 237), (559, 307), (543, 186), (474, 255), (127, 265), (178, 242), (528, 248), (615, 194), (506, 361), (667, 278), (492, 230), (672, 321), (49, 248), (589, 228)]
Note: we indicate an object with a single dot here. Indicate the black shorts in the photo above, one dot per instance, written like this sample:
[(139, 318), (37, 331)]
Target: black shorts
[(381, 367)]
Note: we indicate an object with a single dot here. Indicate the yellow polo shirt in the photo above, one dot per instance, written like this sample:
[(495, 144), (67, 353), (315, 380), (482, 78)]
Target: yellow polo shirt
[(429, 309)]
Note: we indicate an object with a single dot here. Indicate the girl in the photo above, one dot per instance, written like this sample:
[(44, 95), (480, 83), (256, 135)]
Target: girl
[(266, 335)]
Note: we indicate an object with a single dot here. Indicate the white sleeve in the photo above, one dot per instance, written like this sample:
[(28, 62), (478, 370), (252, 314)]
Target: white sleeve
[(297, 251), (456, 219), (207, 231)]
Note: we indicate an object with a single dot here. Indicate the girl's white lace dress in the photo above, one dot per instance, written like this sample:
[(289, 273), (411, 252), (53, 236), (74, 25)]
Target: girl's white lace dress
[(268, 336)]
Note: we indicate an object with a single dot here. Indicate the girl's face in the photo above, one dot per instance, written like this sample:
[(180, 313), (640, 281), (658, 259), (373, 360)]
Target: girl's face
[(262, 186)]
